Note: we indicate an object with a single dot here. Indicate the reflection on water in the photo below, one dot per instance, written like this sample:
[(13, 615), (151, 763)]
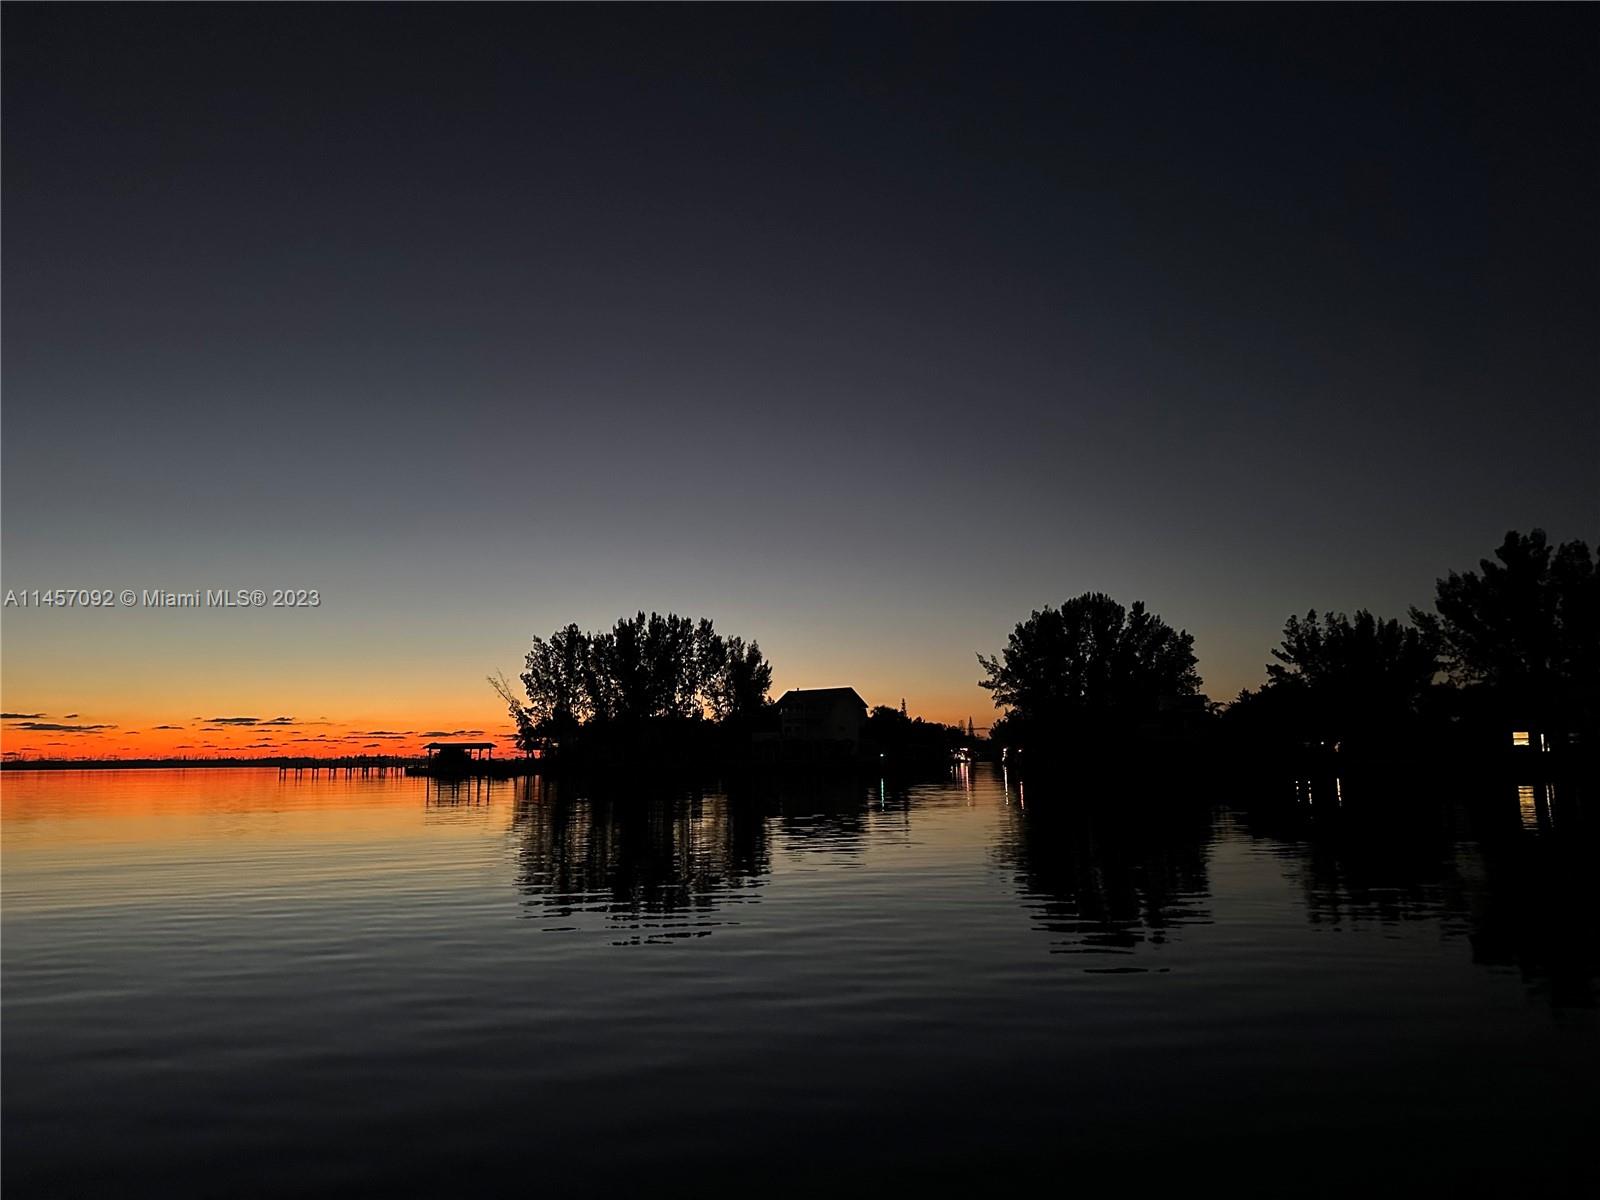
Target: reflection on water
[(220, 982), (655, 864), (652, 867), (1490, 868), (1105, 877), (1537, 805)]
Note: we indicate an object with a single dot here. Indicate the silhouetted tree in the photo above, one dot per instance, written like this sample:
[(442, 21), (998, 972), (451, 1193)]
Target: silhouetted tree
[(1339, 677), (905, 739), (656, 670), (1006, 730), (884, 716), (740, 684), (648, 667), (527, 736), (1089, 663), (1525, 629), (555, 679)]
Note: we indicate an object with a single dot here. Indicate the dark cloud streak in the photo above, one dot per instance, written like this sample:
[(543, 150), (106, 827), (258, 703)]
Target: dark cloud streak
[(54, 727)]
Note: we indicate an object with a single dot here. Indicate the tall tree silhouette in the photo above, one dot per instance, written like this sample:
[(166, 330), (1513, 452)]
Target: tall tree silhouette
[(1092, 662), (647, 667), (1524, 630), (1340, 677), (741, 681), (555, 681)]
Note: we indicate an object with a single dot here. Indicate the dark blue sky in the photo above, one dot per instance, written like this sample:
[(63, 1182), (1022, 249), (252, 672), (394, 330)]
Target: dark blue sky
[(864, 331)]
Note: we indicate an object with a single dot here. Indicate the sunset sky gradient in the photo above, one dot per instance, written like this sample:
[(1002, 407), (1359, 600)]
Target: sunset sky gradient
[(863, 331)]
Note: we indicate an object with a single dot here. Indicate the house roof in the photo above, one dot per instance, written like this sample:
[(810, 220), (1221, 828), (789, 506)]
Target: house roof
[(820, 696)]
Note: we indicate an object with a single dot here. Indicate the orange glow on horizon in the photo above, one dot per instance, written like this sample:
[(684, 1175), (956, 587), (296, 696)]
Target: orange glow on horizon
[(183, 713), (228, 735), (224, 733)]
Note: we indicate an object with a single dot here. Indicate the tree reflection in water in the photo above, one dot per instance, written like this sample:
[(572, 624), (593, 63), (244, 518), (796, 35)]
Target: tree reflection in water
[(656, 865), (1105, 871), (836, 815), (1109, 871), (1110, 868), (1510, 868)]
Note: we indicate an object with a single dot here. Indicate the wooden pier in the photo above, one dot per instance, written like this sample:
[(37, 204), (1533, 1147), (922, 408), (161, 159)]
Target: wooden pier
[(350, 768), (445, 760)]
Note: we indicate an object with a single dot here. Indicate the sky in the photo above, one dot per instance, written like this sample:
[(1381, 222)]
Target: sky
[(863, 331)]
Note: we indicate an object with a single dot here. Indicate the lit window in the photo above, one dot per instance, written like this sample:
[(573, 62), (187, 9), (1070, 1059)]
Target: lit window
[(1520, 738)]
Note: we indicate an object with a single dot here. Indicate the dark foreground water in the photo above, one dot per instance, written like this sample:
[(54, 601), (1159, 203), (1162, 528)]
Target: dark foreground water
[(223, 983)]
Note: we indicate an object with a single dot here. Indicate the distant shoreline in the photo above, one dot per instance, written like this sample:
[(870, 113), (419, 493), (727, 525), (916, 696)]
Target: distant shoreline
[(124, 764), (1502, 763)]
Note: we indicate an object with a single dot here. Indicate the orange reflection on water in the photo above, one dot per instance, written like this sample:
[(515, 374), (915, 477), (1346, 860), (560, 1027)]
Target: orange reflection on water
[(191, 813)]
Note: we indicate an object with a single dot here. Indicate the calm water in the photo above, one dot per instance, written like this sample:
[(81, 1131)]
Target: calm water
[(223, 983)]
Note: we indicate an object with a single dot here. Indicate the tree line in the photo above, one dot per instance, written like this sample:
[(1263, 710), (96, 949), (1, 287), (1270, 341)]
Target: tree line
[(1515, 641)]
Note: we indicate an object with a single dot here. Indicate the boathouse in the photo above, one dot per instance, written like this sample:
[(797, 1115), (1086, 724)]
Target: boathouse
[(457, 756)]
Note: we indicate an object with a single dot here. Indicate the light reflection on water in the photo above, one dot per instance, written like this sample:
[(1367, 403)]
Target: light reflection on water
[(221, 982)]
